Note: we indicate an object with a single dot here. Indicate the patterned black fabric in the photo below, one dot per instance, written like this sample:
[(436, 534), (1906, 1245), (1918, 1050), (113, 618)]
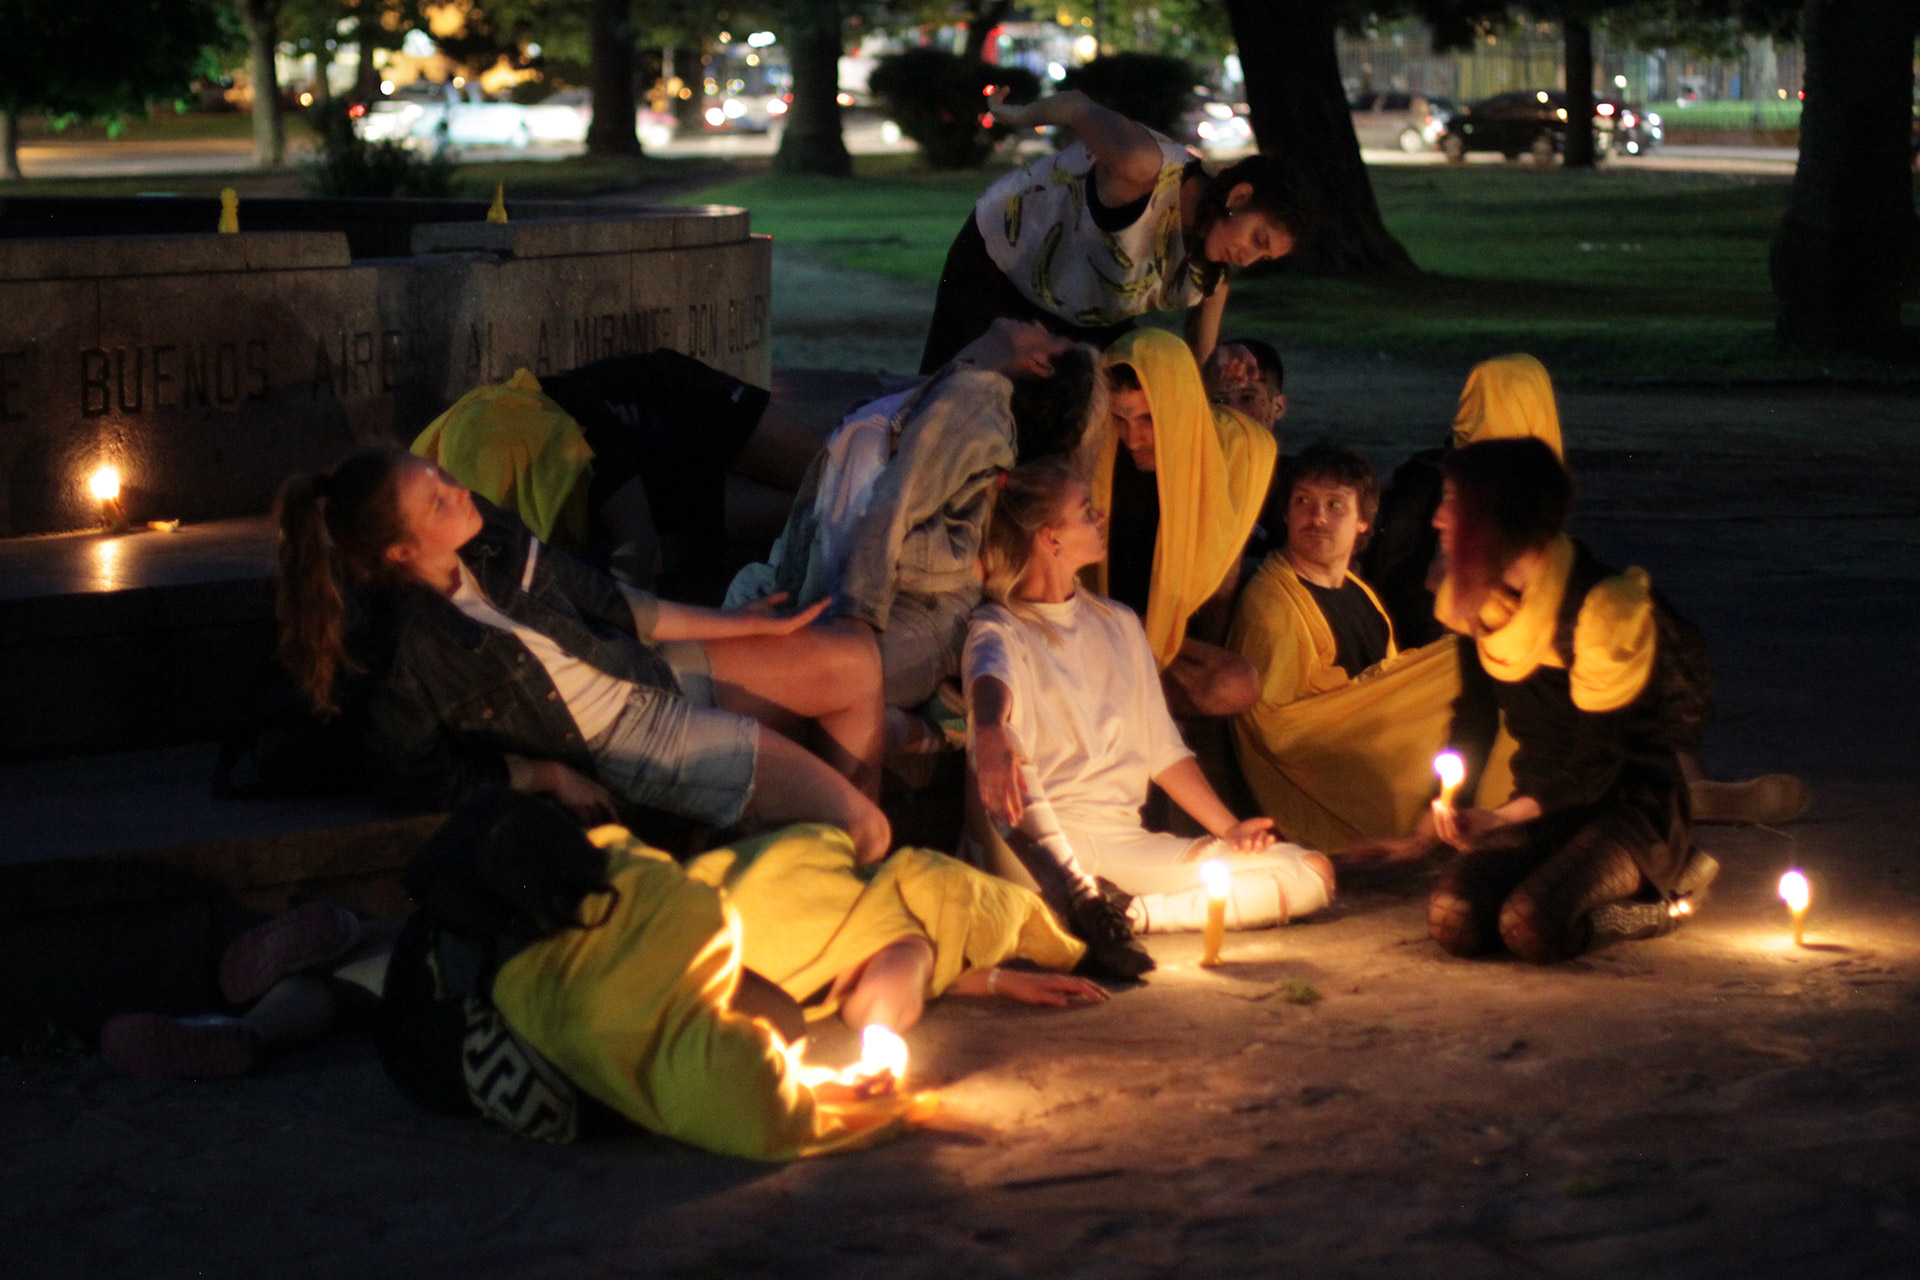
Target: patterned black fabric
[(509, 1082)]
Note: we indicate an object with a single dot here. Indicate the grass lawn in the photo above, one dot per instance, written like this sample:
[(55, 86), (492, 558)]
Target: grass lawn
[(1606, 275)]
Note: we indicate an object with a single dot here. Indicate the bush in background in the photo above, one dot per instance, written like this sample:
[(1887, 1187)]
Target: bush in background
[(937, 99), (1149, 87), (349, 165)]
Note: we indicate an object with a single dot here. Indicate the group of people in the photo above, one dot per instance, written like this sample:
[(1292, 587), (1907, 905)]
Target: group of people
[(1072, 547)]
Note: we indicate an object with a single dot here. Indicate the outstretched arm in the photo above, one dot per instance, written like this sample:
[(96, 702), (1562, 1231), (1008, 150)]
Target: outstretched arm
[(1189, 788), (1203, 322), (691, 622), (1126, 157)]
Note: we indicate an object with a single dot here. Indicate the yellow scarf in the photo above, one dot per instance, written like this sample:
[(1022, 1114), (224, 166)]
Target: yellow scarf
[(1508, 398), (1212, 466), (519, 450)]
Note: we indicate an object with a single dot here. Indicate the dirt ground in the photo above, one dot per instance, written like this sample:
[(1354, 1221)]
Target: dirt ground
[(1341, 1099)]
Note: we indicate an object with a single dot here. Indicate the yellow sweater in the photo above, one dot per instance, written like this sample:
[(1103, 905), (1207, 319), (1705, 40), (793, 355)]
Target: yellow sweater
[(518, 449), (636, 1011)]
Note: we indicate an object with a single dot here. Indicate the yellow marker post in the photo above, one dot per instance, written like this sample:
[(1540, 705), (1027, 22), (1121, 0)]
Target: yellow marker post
[(498, 212), (229, 211)]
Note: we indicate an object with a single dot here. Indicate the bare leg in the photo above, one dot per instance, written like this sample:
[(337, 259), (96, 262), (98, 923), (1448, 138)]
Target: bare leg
[(891, 988), (295, 1011), (1206, 680), (780, 449), (828, 675), (792, 785)]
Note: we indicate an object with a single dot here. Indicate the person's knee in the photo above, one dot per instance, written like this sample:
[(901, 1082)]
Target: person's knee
[(1321, 866), (1225, 688), (1450, 922), (1529, 932)]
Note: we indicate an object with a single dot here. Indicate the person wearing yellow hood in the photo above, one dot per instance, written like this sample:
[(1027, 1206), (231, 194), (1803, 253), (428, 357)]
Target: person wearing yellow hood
[(1506, 398), (1581, 665), (551, 977), (1183, 481)]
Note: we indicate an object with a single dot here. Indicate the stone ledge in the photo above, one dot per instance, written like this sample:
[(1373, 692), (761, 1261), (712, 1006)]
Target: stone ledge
[(166, 255)]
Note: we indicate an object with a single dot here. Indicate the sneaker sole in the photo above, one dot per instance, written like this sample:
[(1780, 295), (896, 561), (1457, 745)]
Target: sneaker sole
[(154, 1047), (310, 934)]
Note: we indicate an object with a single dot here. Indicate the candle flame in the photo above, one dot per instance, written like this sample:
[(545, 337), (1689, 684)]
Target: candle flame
[(1795, 892), (1216, 876), (1450, 768), (104, 483), (882, 1050)]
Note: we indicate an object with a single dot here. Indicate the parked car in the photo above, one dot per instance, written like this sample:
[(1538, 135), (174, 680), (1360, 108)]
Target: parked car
[(1410, 121), (445, 115), (1534, 122)]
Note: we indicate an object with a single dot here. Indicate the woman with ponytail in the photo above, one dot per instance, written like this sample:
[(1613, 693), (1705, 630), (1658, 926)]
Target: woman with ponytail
[(1069, 725), (1122, 222), (513, 664)]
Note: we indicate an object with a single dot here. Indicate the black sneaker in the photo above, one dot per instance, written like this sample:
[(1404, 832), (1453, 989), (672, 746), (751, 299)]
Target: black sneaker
[(1111, 951)]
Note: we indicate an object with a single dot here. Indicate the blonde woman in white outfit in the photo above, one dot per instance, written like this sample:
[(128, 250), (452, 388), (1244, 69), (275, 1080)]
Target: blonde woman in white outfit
[(1069, 726)]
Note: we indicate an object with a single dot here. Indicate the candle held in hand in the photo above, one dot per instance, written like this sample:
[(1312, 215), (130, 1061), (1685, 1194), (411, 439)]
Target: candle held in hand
[(1216, 876), (1452, 771), (1797, 894)]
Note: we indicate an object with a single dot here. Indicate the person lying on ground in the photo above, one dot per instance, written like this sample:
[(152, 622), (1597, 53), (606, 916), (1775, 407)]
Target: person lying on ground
[(1579, 663), (1120, 223), (1182, 481), (1069, 725), (510, 662), (292, 975), (888, 523), (1339, 744), (651, 457), (1511, 398), (676, 997)]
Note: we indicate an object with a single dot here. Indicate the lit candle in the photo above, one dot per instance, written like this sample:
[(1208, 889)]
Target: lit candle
[(1795, 892), (104, 485), (882, 1051), (1216, 876), (1452, 771)]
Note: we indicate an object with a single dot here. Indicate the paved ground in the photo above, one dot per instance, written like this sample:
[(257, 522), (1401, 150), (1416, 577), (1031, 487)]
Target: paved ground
[(1340, 1099)]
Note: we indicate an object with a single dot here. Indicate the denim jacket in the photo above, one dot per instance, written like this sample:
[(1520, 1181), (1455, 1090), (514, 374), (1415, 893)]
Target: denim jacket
[(922, 529), (456, 696)]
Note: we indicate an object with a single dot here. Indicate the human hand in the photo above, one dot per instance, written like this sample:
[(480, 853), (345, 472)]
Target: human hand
[(1248, 835), (1014, 116), (775, 625), (1463, 828), (1391, 849), (1056, 989), (859, 1089), (996, 771), (586, 799)]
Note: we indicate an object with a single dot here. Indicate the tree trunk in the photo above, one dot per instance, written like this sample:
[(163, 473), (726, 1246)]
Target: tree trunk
[(1299, 113), (9, 146), (811, 142), (610, 73), (366, 78), (1578, 36), (1848, 250), (262, 19), (989, 14)]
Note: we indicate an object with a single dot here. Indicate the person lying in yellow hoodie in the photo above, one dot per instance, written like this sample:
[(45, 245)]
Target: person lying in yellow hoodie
[(647, 1002), (1340, 744)]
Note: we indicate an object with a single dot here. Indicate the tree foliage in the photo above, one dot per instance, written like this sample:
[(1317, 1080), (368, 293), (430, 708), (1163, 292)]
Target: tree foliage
[(106, 57), (937, 98), (1149, 87)]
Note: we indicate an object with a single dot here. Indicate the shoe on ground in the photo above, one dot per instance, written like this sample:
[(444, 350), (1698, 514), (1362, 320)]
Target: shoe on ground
[(1696, 878), (307, 937), (1112, 952), (1631, 922), (1770, 799), (155, 1047)]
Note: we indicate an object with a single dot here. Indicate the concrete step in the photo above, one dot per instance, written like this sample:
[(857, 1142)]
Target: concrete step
[(121, 878), (120, 642)]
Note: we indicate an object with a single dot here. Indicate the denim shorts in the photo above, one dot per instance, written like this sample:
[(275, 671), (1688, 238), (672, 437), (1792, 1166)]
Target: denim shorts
[(667, 752), (922, 643)]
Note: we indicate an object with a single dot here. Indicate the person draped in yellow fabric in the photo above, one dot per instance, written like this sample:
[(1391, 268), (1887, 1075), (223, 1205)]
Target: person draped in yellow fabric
[(1580, 664), (1182, 481), (1511, 398), (1338, 745), (519, 450), (652, 997), (1507, 398)]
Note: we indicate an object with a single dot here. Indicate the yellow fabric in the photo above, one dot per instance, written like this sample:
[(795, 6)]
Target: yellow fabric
[(1330, 757), (518, 449), (1614, 641), (1212, 467), (808, 914), (1508, 397), (1615, 638), (635, 1012)]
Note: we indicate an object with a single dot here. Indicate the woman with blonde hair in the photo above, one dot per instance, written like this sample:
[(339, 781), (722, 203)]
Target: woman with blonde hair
[(1069, 726)]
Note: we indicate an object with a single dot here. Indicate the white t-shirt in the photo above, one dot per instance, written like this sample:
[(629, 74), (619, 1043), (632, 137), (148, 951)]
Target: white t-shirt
[(594, 698), (1087, 708)]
